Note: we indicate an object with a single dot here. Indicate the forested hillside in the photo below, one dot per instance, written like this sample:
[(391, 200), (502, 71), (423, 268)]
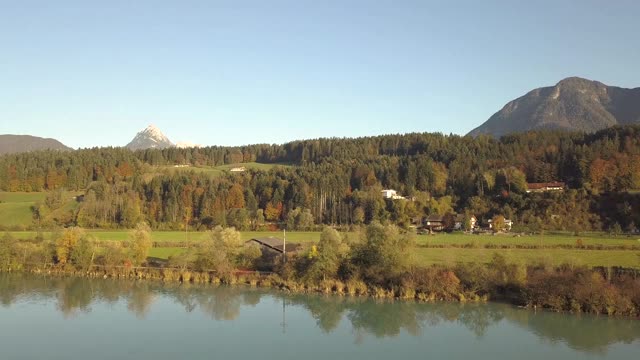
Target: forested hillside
[(339, 181)]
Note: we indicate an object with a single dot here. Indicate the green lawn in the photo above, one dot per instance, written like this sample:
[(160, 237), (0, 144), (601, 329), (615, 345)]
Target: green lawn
[(218, 170), (423, 256), (21, 197), (625, 258), (15, 208), (429, 255), (15, 215), (164, 253), (511, 239), (434, 240)]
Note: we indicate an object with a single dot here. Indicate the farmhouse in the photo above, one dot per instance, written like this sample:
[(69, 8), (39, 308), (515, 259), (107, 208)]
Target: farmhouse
[(544, 187), (507, 224), (434, 223), (459, 222)]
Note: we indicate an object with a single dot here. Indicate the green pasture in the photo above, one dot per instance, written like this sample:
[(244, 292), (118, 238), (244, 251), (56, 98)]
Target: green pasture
[(432, 255), (217, 170), (171, 236), (458, 239), (21, 197), (15, 208), (14, 215), (549, 239), (624, 258), (450, 256)]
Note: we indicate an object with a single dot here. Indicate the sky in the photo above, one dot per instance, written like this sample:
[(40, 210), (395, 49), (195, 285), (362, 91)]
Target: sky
[(93, 73)]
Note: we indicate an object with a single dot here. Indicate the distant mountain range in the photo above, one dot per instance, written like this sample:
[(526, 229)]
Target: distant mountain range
[(10, 144), (574, 104)]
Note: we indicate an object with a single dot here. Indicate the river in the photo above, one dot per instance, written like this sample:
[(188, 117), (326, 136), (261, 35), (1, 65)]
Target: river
[(76, 318)]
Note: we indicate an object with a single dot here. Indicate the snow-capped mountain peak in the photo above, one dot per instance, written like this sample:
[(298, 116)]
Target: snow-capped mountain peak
[(150, 138)]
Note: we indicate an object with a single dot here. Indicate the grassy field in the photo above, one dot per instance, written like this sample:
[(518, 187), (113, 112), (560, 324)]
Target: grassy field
[(217, 170), (424, 256), (424, 240), (121, 235), (624, 258), (15, 208), (537, 239), (430, 255)]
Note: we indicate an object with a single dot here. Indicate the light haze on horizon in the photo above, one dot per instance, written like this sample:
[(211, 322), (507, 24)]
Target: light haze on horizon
[(241, 72)]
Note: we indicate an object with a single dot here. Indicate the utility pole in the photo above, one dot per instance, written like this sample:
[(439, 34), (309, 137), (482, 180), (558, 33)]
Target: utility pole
[(284, 245)]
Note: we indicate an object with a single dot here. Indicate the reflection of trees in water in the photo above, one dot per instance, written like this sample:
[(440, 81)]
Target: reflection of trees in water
[(14, 286), (219, 302), (74, 295), (140, 299), (223, 304), (586, 333), (327, 311), (366, 316), (382, 320), (385, 318)]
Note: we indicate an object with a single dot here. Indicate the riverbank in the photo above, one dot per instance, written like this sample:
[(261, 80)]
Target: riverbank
[(377, 262), (561, 289)]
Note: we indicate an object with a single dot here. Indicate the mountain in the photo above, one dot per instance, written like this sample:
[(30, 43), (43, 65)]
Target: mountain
[(21, 143), (574, 104), (150, 138)]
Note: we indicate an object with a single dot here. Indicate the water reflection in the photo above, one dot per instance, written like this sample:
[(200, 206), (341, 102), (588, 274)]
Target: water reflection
[(75, 296)]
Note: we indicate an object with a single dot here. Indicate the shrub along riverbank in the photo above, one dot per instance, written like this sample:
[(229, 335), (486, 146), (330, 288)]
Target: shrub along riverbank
[(373, 262)]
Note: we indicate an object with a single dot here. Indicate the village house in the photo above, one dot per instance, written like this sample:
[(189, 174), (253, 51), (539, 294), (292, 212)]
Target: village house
[(544, 187), (434, 223), (391, 194), (459, 222), (507, 224)]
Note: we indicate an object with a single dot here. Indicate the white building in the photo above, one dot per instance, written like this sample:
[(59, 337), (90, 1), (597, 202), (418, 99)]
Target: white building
[(507, 224), (391, 194)]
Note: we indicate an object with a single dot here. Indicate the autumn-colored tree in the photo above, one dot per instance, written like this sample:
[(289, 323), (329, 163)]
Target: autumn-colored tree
[(272, 213), (125, 170), (66, 241), (141, 243), (235, 199), (498, 223)]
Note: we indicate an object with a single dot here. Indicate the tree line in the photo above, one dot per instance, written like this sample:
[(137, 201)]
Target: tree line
[(339, 182)]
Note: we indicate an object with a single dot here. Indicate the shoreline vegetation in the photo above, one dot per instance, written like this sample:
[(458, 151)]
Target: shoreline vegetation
[(375, 261)]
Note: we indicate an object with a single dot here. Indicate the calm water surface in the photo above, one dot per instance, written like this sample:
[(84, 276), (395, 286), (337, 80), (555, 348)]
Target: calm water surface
[(70, 318)]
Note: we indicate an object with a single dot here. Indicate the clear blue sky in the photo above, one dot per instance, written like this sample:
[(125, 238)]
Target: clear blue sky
[(93, 73)]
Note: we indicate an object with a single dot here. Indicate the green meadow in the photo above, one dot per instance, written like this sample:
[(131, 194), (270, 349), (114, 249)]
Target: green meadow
[(425, 253), (216, 170), (15, 208)]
